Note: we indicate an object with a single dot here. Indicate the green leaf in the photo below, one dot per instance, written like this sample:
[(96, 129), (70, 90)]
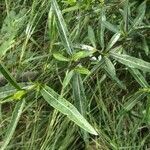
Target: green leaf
[(13, 124), (102, 28), (141, 13), (132, 62), (117, 49), (126, 15), (113, 40), (7, 90), (82, 54), (8, 76), (66, 108), (139, 77), (62, 28), (132, 101), (60, 57), (67, 78), (110, 27), (82, 70), (110, 69), (95, 69), (80, 100), (79, 95), (51, 25), (145, 46), (110, 66), (91, 36)]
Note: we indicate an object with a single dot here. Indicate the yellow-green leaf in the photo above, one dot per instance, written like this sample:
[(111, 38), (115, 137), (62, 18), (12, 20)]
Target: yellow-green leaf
[(19, 94), (60, 57), (82, 54), (82, 70)]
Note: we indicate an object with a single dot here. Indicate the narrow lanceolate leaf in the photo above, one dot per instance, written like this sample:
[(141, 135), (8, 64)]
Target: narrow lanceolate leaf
[(139, 77), (51, 24), (126, 15), (141, 14), (113, 40), (132, 62), (80, 98), (145, 46), (13, 124), (102, 29), (8, 76), (110, 27), (117, 49), (62, 28), (79, 95), (110, 66), (110, 69), (91, 36), (66, 108), (67, 78)]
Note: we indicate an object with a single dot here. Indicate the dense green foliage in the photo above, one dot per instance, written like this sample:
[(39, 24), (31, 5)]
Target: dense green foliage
[(74, 75)]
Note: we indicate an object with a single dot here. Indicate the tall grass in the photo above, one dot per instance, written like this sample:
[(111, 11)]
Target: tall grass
[(74, 75)]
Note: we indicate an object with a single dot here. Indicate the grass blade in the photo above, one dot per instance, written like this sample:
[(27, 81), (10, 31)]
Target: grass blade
[(66, 108), (8, 76), (132, 101), (138, 77), (13, 124)]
